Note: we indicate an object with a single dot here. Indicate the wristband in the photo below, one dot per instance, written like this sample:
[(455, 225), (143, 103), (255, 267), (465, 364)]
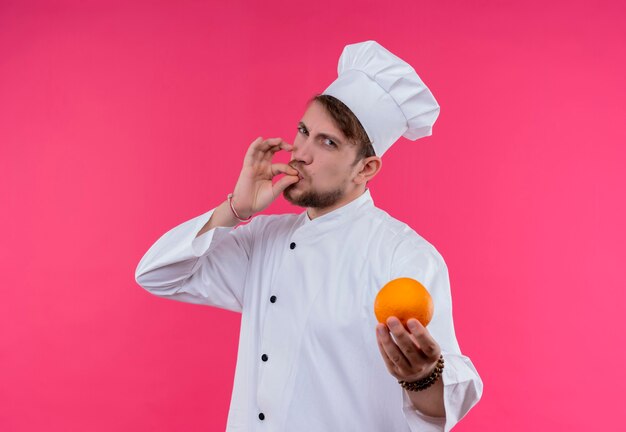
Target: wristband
[(424, 383), (230, 202)]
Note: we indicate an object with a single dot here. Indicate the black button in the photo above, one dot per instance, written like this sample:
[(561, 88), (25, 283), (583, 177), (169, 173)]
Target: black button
[(273, 299), (292, 245), (264, 357), (261, 416)]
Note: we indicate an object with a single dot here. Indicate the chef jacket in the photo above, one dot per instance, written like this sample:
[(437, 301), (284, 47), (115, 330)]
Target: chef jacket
[(308, 358)]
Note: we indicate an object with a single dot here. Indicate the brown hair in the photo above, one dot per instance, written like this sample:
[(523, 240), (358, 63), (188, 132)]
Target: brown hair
[(348, 124)]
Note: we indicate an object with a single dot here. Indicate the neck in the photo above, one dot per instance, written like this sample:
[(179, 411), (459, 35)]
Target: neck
[(314, 212)]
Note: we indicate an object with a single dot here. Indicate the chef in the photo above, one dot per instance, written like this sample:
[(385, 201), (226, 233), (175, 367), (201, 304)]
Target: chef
[(312, 356)]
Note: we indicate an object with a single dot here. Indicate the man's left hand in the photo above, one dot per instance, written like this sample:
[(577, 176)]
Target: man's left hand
[(415, 354)]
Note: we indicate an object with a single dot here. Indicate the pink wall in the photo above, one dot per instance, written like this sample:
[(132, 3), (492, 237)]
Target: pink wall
[(119, 121)]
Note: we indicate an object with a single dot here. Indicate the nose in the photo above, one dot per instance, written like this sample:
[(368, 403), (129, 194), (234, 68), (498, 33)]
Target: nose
[(301, 151)]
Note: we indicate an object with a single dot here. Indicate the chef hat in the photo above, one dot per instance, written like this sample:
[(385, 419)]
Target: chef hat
[(385, 93)]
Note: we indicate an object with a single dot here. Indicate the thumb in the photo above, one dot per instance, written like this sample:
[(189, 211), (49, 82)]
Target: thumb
[(283, 183)]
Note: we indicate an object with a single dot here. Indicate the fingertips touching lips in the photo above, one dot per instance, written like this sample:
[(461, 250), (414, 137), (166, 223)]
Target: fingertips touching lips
[(292, 171)]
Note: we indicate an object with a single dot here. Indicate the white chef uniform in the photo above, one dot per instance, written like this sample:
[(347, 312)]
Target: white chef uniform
[(308, 359)]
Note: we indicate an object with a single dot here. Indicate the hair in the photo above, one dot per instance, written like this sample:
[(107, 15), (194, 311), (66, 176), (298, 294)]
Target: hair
[(348, 124)]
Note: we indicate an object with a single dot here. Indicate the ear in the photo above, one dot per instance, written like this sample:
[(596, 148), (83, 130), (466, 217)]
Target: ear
[(368, 168)]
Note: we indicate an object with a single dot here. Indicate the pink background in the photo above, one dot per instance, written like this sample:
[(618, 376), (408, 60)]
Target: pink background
[(121, 120)]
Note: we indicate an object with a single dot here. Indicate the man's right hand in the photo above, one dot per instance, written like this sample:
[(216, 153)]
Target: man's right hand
[(254, 190)]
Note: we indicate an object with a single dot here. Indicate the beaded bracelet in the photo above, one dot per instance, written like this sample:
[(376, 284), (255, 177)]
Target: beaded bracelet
[(424, 383), (230, 202)]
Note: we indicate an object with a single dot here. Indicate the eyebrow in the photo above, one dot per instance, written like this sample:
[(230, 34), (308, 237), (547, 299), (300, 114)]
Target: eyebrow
[(323, 134)]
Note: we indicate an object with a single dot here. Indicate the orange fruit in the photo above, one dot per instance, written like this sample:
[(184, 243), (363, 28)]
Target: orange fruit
[(404, 298)]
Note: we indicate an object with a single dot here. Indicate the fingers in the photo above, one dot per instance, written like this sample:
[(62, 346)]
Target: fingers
[(278, 168), (290, 178), (405, 344), (427, 344), (283, 183), (391, 351), (265, 149), (276, 147), (390, 364), (411, 353)]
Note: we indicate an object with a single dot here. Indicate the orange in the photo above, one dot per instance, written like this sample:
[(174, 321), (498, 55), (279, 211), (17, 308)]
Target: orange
[(404, 298)]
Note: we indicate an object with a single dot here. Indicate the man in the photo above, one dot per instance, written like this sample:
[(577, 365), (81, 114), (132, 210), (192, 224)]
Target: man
[(311, 355)]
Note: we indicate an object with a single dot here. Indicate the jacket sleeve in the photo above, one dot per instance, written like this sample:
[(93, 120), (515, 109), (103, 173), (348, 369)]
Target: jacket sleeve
[(209, 269), (463, 386)]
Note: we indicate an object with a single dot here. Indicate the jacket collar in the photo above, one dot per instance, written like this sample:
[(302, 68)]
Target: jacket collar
[(334, 218)]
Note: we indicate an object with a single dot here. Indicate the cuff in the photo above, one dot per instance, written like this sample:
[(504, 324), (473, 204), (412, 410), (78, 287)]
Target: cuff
[(201, 245), (462, 389)]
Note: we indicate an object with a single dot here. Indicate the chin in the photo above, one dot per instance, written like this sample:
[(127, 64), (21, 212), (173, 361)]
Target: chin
[(292, 192), (312, 198)]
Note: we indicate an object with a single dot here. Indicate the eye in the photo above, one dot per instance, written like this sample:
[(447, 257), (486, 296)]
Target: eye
[(303, 131), (332, 143)]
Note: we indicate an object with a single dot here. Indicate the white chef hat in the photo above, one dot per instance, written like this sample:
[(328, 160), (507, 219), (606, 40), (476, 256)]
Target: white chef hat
[(385, 93)]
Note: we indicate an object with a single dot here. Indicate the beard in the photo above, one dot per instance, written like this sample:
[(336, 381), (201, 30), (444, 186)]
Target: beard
[(313, 199)]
